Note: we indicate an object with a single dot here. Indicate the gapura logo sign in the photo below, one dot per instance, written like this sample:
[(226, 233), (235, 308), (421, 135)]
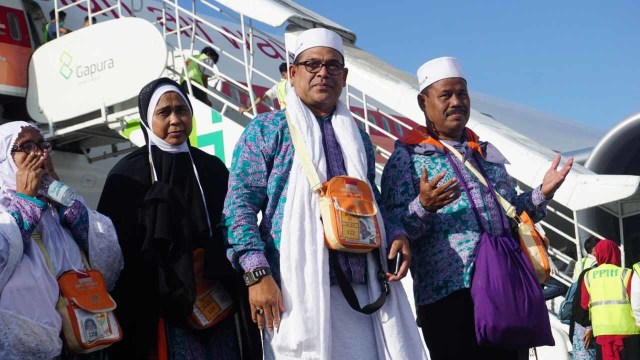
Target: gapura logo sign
[(83, 71), (65, 65)]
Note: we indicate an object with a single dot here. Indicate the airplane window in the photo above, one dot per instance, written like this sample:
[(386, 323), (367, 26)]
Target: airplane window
[(399, 128), (14, 27), (385, 124), (235, 94), (371, 118)]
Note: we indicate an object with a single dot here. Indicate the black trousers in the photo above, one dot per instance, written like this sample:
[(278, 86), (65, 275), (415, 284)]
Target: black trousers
[(449, 331)]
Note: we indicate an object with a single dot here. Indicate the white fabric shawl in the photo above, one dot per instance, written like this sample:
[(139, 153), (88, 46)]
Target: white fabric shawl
[(305, 330)]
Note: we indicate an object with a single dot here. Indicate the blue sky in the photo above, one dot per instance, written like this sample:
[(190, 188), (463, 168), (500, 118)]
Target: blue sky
[(576, 59)]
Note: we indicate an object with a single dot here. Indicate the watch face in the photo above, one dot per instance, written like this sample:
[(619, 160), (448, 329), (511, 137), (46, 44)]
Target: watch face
[(248, 278)]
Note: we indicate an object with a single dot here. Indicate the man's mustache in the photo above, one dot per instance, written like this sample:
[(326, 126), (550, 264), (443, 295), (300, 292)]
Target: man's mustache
[(460, 110)]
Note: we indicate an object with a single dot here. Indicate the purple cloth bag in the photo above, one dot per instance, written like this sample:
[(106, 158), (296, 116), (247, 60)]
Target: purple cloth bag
[(508, 303)]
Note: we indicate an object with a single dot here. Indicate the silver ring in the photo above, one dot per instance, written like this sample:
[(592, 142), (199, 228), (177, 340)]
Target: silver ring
[(259, 311)]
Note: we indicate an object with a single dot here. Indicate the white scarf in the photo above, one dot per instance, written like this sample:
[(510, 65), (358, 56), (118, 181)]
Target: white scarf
[(305, 329), (9, 133)]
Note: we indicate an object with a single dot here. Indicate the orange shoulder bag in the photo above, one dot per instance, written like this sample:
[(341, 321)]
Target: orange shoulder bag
[(86, 308)]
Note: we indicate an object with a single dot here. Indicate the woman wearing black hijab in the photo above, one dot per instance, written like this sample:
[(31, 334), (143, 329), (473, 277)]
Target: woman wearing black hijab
[(165, 200)]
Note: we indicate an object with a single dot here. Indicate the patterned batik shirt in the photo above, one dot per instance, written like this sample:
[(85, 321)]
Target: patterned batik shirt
[(444, 243), (258, 183)]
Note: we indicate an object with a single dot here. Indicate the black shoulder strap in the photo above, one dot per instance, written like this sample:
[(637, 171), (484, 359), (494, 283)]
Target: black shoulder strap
[(349, 293)]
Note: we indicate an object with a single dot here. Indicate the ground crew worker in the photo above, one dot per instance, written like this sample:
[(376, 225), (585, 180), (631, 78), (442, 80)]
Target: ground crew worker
[(279, 91), (200, 74), (635, 292), (606, 292), (50, 32)]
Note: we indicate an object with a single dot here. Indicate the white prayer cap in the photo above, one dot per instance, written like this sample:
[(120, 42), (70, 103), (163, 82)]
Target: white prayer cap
[(318, 37), (438, 69)]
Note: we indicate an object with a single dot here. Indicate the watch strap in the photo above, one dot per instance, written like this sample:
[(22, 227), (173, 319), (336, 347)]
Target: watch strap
[(254, 276)]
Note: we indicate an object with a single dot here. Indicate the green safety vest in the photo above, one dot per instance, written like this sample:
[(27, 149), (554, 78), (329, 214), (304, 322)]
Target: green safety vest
[(193, 69), (281, 91), (609, 307), (46, 33), (636, 268)]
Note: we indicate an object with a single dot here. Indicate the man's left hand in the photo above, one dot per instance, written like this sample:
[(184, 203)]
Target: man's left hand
[(400, 244), (554, 177)]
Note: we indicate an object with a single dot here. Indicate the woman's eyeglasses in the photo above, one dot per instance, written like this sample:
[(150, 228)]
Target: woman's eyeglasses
[(30, 146), (334, 67)]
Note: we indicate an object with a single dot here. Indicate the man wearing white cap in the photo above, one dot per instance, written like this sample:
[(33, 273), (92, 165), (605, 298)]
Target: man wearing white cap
[(445, 209), (293, 290)]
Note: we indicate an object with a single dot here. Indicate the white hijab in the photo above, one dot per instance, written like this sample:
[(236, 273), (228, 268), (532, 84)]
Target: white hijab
[(165, 146), (9, 133)]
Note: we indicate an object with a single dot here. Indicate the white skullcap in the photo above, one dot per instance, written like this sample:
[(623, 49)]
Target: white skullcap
[(438, 69), (318, 37)]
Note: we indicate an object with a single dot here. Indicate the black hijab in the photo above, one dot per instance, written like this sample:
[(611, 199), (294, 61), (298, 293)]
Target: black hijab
[(173, 213)]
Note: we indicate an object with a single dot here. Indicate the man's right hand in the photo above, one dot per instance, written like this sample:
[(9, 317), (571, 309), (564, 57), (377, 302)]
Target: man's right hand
[(266, 295), (434, 197), (29, 174)]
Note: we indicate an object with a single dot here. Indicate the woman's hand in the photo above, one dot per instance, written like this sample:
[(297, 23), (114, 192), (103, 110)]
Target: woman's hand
[(588, 337), (29, 174)]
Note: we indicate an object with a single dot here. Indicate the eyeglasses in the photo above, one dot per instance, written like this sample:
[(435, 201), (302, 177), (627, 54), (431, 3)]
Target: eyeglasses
[(334, 67), (30, 146)]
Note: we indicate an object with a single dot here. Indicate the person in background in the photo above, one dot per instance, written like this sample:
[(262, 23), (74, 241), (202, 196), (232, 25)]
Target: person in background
[(580, 329), (606, 292), (635, 292), (204, 75), (40, 239), (588, 261), (50, 29), (278, 91), (88, 23), (421, 185), (165, 200)]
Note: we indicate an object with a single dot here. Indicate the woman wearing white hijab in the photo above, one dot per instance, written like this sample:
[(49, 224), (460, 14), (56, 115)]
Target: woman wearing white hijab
[(29, 322)]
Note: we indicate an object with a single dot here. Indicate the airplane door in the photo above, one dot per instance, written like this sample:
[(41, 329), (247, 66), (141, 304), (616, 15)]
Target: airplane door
[(37, 21), (15, 49)]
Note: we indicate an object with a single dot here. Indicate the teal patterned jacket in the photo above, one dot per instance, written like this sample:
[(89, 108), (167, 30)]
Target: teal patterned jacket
[(444, 243)]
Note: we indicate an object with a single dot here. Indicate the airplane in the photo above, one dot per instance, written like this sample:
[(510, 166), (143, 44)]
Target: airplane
[(81, 90)]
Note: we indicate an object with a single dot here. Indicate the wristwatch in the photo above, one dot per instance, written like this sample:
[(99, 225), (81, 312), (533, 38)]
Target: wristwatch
[(254, 276)]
